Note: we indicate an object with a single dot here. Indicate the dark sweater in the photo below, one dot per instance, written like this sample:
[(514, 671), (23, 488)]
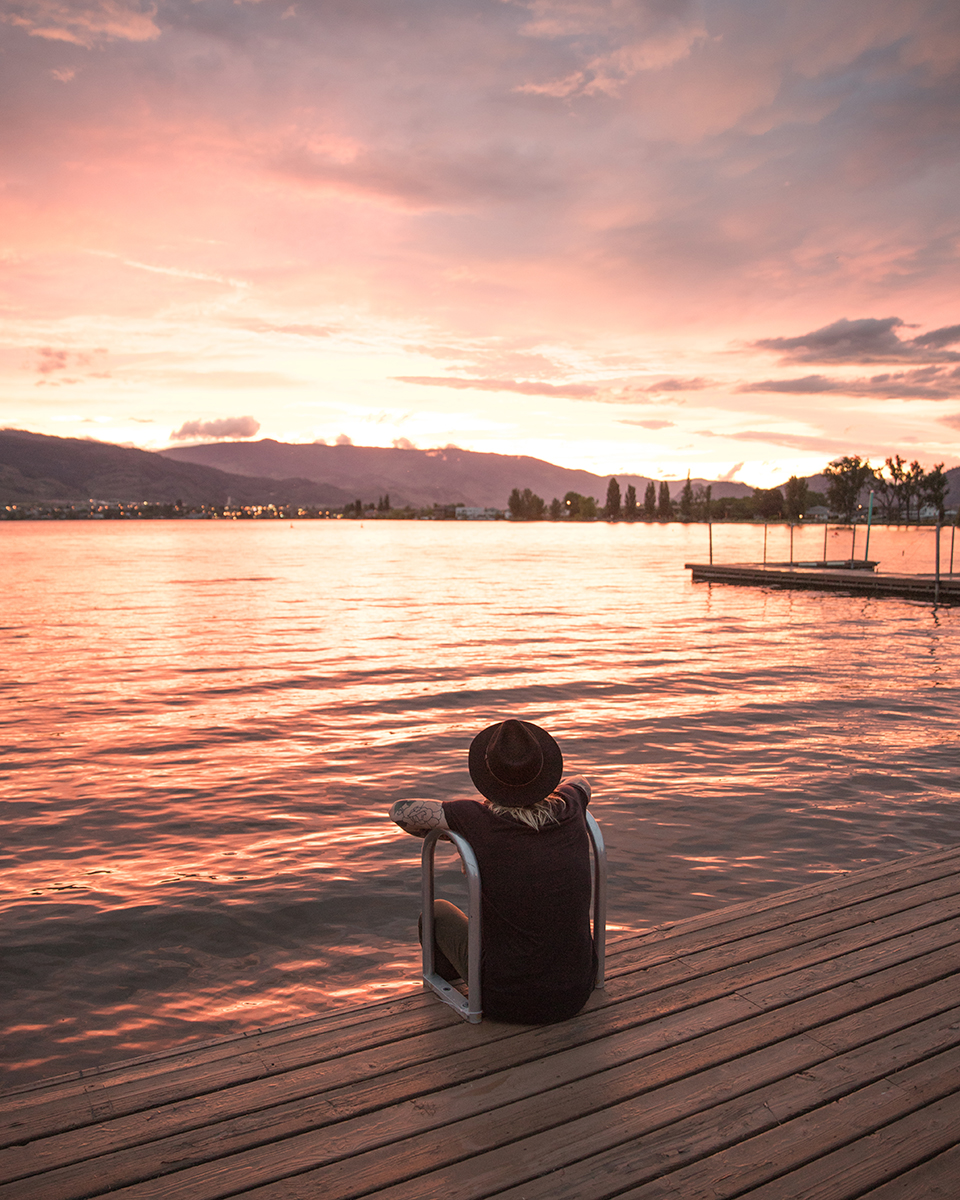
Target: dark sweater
[(538, 961)]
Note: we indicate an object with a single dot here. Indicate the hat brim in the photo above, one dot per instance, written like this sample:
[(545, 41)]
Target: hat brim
[(528, 794)]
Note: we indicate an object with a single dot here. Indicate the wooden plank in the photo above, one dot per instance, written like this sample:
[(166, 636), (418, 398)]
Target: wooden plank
[(871, 920), (803, 1158), (100, 1097), (935, 1179), (600, 1154), (650, 948), (211, 1049)]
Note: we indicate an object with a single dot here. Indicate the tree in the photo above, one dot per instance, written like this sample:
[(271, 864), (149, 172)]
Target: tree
[(580, 508), (630, 503), (702, 501), (612, 507), (664, 503), (686, 500), (650, 501), (768, 503), (556, 509), (797, 498), (572, 502), (526, 506), (914, 484), (935, 488), (847, 477), (892, 492)]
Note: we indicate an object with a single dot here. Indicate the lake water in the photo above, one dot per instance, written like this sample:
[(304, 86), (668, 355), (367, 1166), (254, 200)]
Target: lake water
[(205, 723)]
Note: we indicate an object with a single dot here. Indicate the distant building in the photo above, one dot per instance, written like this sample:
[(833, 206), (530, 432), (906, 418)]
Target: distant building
[(465, 513), (817, 513)]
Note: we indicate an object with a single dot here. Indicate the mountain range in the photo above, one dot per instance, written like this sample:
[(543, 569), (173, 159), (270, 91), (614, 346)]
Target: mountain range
[(419, 478), (36, 467)]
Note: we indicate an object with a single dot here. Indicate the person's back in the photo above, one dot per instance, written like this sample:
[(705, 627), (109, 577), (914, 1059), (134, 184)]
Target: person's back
[(531, 842)]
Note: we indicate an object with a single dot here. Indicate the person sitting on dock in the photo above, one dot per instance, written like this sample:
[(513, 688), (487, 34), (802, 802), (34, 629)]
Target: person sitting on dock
[(532, 847)]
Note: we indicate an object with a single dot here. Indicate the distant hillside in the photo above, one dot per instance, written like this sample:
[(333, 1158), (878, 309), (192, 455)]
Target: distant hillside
[(418, 477), (36, 467)]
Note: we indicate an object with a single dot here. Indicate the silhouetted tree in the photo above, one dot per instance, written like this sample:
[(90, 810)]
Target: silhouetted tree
[(612, 507), (650, 501), (686, 500), (796, 499), (664, 503), (935, 488), (847, 477), (526, 506), (768, 503), (556, 509), (893, 493), (630, 503), (572, 502), (914, 482)]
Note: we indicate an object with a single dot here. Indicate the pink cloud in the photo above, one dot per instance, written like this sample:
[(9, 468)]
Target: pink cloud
[(217, 429), (85, 23)]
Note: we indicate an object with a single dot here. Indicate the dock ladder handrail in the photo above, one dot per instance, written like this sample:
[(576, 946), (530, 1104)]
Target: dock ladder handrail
[(470, 1007)]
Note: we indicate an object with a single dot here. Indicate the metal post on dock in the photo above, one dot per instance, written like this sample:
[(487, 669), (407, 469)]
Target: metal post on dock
[(936, 582), (764, 541), (826, 526), (791, 543), (953, 538), (866, 553), (853, 544), (710, 530)]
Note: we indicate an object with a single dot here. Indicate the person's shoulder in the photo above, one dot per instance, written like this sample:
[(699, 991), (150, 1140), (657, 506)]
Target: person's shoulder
[(576, 786)]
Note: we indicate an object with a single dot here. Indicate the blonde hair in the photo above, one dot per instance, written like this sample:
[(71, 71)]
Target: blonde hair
[(544, 812)]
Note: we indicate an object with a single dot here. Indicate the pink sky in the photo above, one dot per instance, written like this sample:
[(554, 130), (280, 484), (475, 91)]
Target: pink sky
[(627, 236)]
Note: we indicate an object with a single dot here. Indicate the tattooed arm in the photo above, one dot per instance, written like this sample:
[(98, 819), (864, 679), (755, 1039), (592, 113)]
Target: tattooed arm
[(418, 816)]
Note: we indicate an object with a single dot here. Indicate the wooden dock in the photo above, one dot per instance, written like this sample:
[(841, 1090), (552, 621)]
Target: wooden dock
[(806, 1045), (861, 583)]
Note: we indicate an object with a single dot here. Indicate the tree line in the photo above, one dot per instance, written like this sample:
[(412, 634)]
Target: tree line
[(900, 492)]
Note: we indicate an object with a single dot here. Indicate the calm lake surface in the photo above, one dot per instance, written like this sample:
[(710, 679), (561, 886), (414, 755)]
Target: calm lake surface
[(205, 723)]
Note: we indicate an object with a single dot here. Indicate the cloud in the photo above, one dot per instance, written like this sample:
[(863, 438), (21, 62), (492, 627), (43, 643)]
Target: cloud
[(343, 439), (925, 383), (773, 437), (865, 340), (953, 421), (255, 325), (678, 385), (402, 443), (647, 424), (222, 427), (734, 470), (84, 22), (573, 391), (51, 360)]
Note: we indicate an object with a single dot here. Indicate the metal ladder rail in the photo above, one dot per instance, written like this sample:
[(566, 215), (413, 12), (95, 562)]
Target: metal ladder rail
[(470, 1007)]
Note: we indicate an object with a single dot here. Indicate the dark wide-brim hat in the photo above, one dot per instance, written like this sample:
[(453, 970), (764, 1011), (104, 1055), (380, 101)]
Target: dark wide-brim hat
[(515, 763)]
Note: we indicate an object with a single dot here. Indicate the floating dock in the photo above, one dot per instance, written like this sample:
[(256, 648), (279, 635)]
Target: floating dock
[(803, 1045), (865, 582)]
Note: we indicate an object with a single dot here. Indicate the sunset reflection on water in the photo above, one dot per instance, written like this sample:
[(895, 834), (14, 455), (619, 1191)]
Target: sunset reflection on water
[(206, 723)]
